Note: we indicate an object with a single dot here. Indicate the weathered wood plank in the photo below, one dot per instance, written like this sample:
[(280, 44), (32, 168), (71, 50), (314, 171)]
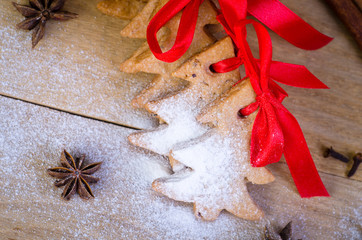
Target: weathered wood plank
[(75, 67), (125, 207)]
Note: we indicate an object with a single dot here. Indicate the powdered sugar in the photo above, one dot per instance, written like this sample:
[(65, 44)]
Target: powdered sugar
[(214, 182), (67, 70), (125, 207), (180, 110), (218, 163)]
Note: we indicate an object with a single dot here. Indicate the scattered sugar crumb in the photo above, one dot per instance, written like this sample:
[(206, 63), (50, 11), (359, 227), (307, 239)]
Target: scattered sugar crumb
[(64, 70)]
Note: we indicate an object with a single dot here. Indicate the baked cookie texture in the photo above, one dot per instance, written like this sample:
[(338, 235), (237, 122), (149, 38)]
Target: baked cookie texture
[(124, 9), (206, 142), (144, 61), (217, 164), (180, 109), (137, 27)]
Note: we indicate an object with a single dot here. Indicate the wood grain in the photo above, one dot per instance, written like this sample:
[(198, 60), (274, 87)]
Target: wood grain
[(75, 69), (125, 206), (97, 89)]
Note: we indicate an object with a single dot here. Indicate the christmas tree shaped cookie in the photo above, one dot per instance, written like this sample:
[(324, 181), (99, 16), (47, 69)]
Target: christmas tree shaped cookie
[(179, 110), (144, 61), (217, 164), (124, 9), (138, 26)]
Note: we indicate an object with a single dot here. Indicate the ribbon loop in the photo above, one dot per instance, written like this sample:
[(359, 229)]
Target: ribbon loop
[(185, 31), (270, 12), (275, 130), (271, 135), (227, 65)]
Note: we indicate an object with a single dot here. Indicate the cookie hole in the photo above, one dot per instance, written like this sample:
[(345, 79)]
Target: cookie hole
[(240, 115), (215, 31), (211, 68), (194, 75)]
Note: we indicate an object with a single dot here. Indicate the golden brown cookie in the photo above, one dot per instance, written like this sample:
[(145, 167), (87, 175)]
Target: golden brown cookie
[(217, 164), (138, 25), (144, 61), (223, 113), (124, 9), (179, 110)]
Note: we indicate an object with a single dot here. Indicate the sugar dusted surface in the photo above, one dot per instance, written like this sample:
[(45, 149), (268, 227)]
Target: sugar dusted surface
[(125, 206), (75, 67), (180, 114), (31, 139), (215, 180)]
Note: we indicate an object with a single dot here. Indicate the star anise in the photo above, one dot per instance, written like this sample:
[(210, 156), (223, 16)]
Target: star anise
[(76, 178), (284, 234), (38, 13)]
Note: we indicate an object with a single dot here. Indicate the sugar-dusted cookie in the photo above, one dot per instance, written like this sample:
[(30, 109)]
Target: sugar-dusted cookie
[(217, 164), (179, 110), (144, 61), (124, 9)]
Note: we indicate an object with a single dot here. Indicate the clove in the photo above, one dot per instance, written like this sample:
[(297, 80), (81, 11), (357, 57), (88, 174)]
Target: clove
[(286, 232), (357, 159), (331, 153)]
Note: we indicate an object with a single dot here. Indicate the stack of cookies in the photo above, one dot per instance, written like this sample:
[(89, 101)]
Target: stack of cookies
[(206, 142)]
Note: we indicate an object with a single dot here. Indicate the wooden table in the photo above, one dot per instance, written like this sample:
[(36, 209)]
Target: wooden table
[(68, 93)]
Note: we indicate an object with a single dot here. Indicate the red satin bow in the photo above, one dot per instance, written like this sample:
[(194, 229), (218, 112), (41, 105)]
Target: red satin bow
[(270, 12), (275, 130)]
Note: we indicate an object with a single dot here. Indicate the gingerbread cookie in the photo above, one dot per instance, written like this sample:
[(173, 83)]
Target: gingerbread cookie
[(124, 9), (144, 61), (217, 163), (179, 110), (138, 26)]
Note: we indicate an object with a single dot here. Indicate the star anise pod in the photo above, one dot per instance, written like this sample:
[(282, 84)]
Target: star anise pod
[(38, 13), (284, 234), (76, 178)]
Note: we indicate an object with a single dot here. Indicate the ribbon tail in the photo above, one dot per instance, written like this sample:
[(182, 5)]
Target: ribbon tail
[(299, 159), (294, 75), (287, 24)]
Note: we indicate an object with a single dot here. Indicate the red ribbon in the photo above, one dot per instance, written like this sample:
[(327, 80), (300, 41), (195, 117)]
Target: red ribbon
[(185, 31), (270, 12), (275, 130), (287, 24)]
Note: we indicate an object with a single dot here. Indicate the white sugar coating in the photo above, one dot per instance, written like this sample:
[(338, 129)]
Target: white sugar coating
[(125, 206), (180, 114), (180, 110), (75, 67), (216, 180), (218, 161)]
